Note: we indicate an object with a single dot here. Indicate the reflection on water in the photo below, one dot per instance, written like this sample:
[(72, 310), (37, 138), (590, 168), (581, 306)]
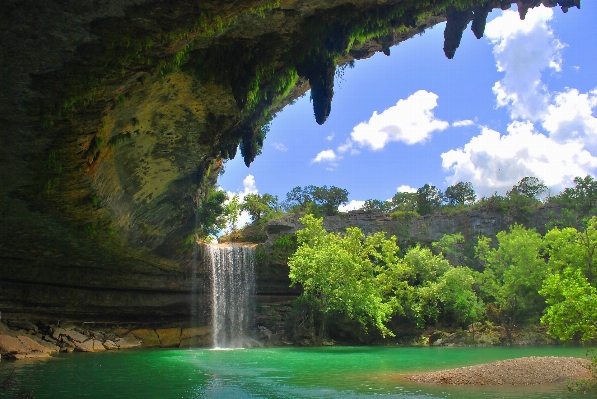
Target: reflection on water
[(342, 372)]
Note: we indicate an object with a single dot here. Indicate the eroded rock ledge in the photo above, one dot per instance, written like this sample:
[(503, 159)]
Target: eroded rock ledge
[(116, 115)]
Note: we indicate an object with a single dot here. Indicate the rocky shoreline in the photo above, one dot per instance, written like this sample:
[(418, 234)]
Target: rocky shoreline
[(523, 371), (25, 340)]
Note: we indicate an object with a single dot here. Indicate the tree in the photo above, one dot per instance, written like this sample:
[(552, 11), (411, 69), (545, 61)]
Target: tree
[(232, 210), (212, 212), (428, 199), (583, 196), (460, 194), (570, 248), (405, 202), (259, 205), (572, 305), (324, 198), (345, 273), (377, 205), (529, 187), (513, 274), (329, 198), (456, 293)]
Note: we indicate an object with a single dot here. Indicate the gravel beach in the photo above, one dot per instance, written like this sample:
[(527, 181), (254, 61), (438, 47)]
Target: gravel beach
[(524, 371)]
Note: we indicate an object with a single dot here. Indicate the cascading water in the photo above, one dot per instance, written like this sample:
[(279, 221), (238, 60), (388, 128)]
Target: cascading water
[(233, 286)]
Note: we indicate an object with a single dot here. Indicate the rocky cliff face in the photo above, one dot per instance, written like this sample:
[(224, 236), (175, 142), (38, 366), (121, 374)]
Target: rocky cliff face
[(115, 116), (421, 229)]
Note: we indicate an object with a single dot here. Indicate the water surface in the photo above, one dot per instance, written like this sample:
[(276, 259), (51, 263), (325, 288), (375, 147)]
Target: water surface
[(334, 372)]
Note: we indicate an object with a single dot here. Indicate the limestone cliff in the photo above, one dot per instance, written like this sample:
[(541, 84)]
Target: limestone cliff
[(115, 116)]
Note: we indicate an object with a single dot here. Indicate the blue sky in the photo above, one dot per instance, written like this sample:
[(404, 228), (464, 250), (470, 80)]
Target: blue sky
[(519, 102)]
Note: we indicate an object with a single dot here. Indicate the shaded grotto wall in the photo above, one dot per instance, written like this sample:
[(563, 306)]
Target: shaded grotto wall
[(115, 116)]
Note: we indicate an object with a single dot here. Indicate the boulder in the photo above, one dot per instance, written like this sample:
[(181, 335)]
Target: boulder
[(10, 345), (121, 332), (86, 346), (98, 346), (169, 337), (148, 337), (129, 341), (110, 345), (32, 345), (76, 336), (22, 347), (57, 332)]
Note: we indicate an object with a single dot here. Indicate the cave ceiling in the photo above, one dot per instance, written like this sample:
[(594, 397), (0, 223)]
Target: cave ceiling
[(116, 115)]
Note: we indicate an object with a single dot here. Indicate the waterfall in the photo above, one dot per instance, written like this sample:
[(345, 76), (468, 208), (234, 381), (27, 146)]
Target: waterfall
[(233, 285)]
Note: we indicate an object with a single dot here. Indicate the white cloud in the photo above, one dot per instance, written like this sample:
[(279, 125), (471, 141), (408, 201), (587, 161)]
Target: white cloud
[(348, 146), (570, 117), (495, 162), (406, 189), (523, 49), (330, 137), (410, 121), (351, 206), (466, 122), (325, 156), (280, 147)]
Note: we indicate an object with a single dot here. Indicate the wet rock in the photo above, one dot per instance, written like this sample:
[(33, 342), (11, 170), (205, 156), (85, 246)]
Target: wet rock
[(264, 332), (129, 341), (195, 331), (121, 332), (22, 347), (98, 346), (76, 336), (10, 345), (86, 346), (148, 337), (169, 337), (110, 345), (22, 325), (57, 332), (438, 342)]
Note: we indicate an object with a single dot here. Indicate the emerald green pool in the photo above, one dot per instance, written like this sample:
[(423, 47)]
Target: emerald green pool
[(333, 372)]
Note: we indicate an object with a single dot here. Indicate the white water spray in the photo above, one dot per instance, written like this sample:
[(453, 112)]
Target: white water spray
[(233, 286)]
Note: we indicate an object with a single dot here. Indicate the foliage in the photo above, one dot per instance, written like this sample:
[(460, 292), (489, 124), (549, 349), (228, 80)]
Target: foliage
[(460, 194), (583, 196), (345, 273), (259, 205), (429, 198), (316, 200), (572, 305), (212, 212), (232, 211), (513, 274), (456, 293), (530, 187)]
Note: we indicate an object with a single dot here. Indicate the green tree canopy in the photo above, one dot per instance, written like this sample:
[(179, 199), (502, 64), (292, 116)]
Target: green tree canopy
[(326, 200), (428, 198), (345, 273), (212, 212), (259, 205), (583, 196), (461, 193), (513, 274), (529, 187)]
